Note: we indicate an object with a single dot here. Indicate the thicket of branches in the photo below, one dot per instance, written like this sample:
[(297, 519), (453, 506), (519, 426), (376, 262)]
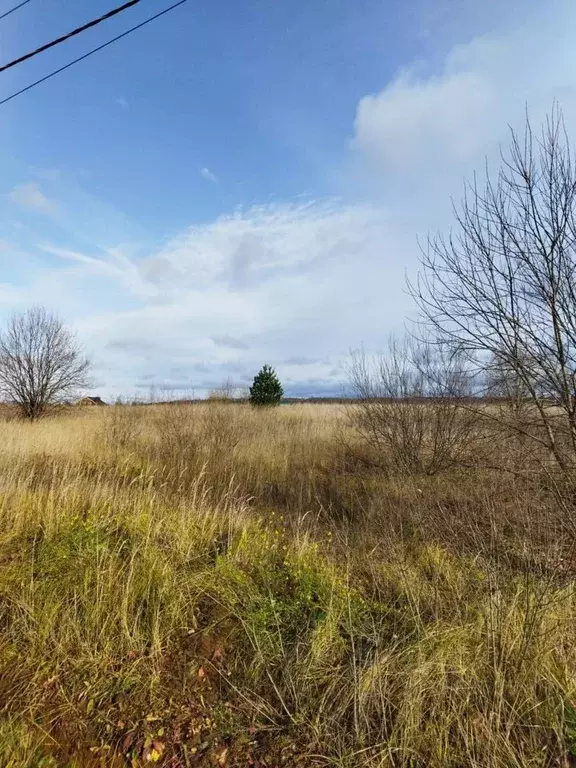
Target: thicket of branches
[(408, 406)]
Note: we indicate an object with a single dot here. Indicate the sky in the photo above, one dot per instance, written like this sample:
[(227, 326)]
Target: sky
[(241, 183)]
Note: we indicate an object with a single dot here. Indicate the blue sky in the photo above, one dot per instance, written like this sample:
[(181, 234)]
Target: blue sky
[(244, 182)]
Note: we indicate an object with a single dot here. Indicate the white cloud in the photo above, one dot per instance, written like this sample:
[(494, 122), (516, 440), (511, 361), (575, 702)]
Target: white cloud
[(279, 283), (409, 124), (274, 279), (430, 131), (31, 197), (207, 174), (224, 340), (74, 256), (258, 244)]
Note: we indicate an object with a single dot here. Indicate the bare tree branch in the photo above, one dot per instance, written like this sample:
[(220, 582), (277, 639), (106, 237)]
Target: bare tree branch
[(501, 287)]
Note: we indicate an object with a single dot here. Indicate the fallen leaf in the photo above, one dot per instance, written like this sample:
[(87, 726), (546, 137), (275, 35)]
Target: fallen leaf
[(223, 757), (127, 741), (158, 746), (201, 673)]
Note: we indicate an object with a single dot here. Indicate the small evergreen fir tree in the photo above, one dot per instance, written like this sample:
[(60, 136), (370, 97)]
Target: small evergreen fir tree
[(266, 389)]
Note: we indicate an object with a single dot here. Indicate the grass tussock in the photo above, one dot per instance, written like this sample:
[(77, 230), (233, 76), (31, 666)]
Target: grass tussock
[(214, 585)]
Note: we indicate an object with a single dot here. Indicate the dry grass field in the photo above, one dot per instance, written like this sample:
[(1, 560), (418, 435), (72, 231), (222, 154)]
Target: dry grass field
[(221, 586)]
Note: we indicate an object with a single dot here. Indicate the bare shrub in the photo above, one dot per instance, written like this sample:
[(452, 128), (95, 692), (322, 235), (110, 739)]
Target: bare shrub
[(408, 407), (175, 429), (225, 393), (221, 429)]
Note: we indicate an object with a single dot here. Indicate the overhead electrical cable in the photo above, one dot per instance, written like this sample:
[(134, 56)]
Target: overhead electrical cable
[(67, 36), (3, 16), (93, 51)]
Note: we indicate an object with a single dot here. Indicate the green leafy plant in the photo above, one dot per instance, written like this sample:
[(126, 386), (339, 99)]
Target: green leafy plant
[(266, 389)]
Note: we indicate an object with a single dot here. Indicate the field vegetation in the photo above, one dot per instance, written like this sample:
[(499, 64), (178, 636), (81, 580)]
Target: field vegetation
[(222, 585)]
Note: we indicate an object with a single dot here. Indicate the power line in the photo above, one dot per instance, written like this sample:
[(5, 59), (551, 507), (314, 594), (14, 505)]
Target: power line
[(94, 50), (67, 36), (13, 9)]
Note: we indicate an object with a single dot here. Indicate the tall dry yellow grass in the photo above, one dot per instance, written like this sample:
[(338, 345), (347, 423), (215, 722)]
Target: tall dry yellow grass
[(213, 585)]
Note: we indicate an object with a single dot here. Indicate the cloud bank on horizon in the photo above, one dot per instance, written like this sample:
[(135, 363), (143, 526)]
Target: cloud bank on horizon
[(294, 281)]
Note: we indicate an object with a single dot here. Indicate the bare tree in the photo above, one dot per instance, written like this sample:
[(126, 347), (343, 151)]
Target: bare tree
[(40, 362), (225, 393), (501, 287), (407, 406)]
